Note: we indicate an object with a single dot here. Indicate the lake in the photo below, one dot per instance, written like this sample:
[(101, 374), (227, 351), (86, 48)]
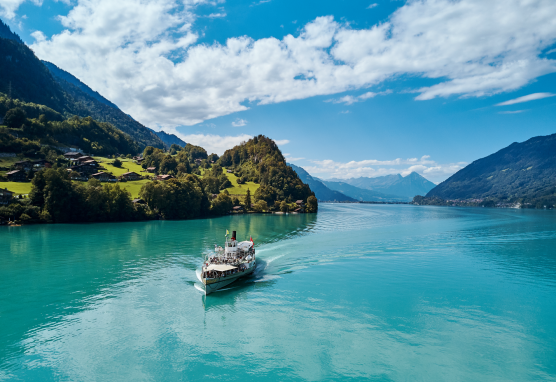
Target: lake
[(355, 292)]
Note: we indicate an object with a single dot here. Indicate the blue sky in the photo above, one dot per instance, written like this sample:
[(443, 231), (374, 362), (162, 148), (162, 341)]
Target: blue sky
[(358, 88)]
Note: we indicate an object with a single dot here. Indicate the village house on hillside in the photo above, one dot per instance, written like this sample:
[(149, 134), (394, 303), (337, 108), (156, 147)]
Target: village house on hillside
[(24, 165), (164, 177), (41, 163), (5, 196), (17, 176), (104, 177), (72, 155), (130, 176), (151, 169)]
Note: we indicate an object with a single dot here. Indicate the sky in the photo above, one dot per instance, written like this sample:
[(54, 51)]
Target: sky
[(346, 88)]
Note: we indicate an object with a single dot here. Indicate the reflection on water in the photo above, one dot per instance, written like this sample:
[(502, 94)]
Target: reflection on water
[(356, 291)]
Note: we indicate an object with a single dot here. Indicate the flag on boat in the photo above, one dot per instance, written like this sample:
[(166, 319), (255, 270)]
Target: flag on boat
[(227, 232), (250, 238)]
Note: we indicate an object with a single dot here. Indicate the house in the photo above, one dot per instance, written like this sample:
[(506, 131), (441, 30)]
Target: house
[(300, 205), (198, 161), (104, 177), (164, 177), (130, 176), (17, 176), (84, 159), (138, 201), (24, 165), (74, 175), (229, 171), (151, 169), (5, 196), (72, 155), (237, 209), (41, 163)]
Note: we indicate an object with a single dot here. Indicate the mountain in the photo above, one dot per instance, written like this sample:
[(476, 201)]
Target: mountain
[(169, 139), (401, 186), (362, 194), (322, 192), (6, 32), (62, 74), (25, 77), (86, 102), (521, 170), (260, 160)]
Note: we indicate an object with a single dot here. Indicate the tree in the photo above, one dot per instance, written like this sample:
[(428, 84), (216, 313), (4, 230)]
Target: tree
[(117, 163), (312, 204), (222, 204), (260, 206), (247, 200), (15, 117), (284, 206)]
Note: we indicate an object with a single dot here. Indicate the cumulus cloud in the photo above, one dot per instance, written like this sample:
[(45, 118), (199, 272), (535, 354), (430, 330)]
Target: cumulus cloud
[(239, 122), (8, 7), (527, 98), (371, 6), (373, 168), (348, 100), (281, 142), (213, 143), (143, 55)]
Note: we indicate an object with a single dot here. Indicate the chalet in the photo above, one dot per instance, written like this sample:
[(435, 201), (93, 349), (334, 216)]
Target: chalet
[(151, 169), (300, 205), (74, 175), (198, 161), (138, 201), (16, 176), (229, 171), (24, 165), (72, 155), (237, 209), (41, 163), (5, 196), (104, 177), (298, 210), (164, 177), (85, 159), (130, 176)]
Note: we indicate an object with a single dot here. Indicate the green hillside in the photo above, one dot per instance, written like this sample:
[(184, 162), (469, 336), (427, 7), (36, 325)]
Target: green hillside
[(521, 172)]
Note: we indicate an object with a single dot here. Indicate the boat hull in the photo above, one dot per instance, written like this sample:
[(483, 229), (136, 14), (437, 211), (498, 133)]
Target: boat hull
[(212, 285)]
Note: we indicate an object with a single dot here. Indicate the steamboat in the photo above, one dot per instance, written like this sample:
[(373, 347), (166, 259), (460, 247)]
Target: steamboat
[(226, 265)]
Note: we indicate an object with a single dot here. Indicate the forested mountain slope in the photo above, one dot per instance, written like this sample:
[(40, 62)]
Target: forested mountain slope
[(260, 160), (25, 77), (322, 192), (169, 139), (521, 170)]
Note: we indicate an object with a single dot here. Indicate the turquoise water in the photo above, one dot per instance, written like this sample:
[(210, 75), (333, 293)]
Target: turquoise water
[(356, 292)]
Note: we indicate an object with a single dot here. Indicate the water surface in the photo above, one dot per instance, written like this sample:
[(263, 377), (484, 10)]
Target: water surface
[(355, 292)]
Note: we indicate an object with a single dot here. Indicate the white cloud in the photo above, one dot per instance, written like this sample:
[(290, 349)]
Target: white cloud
[(143, 55), (213, 143), (512, 112), (239, 122), (281, 142), (348, 100), (372, 6), (373, 168), (527, 98), (8, 7), (289, 158)]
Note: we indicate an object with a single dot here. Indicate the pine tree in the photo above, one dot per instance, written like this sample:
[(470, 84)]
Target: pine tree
[(247, 200)]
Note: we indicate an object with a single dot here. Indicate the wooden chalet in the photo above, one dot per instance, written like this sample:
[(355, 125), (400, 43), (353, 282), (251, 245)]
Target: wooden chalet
[(17, 176), (151, 169), (5, 196), (72, 155), (238, 209), (104, 177), (75, 175), (164, 177), (24, 165), (130, 176), (138, 201)]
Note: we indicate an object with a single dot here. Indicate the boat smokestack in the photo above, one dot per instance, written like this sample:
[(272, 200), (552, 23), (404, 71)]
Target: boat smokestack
[(234, 235)]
